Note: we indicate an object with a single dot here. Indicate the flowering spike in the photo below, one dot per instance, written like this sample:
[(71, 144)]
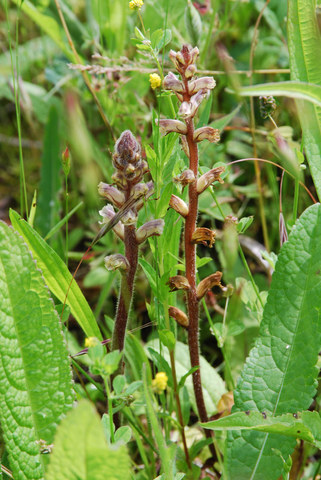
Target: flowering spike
[(116, 261), (206, 133), (178, 205), (149, 229), (178, 282), (209, 282), (208, 178), (205, 236), (178, 315)]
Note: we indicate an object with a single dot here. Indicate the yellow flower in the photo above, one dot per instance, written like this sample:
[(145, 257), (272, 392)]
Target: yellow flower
[(160, 382), (136, 4), (91, 342), (155, 80)]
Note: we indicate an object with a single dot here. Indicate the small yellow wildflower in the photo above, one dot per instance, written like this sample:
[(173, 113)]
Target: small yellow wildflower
[(160, 382), (155, 80), (91, 342), (136, 4)]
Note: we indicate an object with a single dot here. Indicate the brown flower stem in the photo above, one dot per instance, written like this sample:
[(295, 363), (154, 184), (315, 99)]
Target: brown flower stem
[(126, 289), (190, 265)]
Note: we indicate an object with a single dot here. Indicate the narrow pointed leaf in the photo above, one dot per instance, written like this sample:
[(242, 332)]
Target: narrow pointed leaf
[(280, 373), (304, 49), (35, 377), (57, 276), (81, 451)]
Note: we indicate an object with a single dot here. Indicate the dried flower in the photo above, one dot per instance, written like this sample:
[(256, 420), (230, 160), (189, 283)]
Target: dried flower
[(155, 80), (149, 229), (178, 205), (178, 282), (208, 178), (207, 133), (171, 82), (206, 83), (185, 178), (136, 4), (159, 383), (178, 315), (209, 282), (111, 193), (116, 261), (167, 125), (203, 235)]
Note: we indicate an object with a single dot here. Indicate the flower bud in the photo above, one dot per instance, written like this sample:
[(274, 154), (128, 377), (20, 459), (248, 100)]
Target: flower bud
[(116, 261), (108, 213), (167, 125), (177, 58), (208, 178), (111, 193), (171, 82), (185, 178), (178, 282), (206, 133), (178, 205), (209, 282), (205, 236), (65, 159), (178, 315), (206, 83), (127, 150), (149, 229)]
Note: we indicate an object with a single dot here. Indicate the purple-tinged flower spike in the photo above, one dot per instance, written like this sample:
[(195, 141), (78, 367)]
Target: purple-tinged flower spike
[(108, 213), (127, 149), (206, 83), (167, 125), (184, 58), (171, 82), (178, 315), (209, 282), (178, 282), (206, 133), (150, 229), (112, 194), (116, 261), (208, 178), (178, 205), (185, 178)]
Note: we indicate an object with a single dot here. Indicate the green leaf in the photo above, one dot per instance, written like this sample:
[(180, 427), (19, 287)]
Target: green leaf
[(35, 377), (57, 276), (304, 50), (47, 25), (305, 425), (50, 183), (81, 451), (213, 385), (300, 90), (222, 122), (193, 23), (280, 373)]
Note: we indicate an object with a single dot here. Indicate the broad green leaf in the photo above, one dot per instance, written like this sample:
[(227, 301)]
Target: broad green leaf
[(304, 49), (213, 385), (57, 276), (35, 376), (305, 425), (300, 90), (47, 25), (50, 183), (81, 451), (280, 373)]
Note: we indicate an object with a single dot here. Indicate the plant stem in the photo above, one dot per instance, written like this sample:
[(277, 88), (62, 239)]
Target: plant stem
[(126, 290), (110, 411)]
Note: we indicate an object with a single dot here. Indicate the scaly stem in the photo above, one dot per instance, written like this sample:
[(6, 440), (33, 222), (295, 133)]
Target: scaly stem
[(126, 290)]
